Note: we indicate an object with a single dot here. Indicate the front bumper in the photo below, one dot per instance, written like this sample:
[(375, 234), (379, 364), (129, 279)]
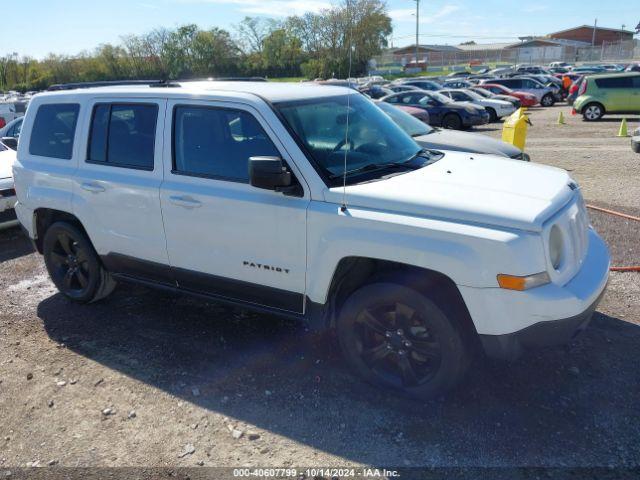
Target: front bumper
[(7, 213), (473, 120), (508, 321), (543, 334)]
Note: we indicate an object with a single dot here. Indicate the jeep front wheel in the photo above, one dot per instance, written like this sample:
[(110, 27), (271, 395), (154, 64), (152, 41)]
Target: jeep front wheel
[(394, 336), (73, 265)]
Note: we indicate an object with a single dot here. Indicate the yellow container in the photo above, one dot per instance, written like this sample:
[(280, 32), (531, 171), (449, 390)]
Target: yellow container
[(514, 130)]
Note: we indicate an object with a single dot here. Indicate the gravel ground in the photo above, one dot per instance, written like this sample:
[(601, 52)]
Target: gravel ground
[(149, 379)]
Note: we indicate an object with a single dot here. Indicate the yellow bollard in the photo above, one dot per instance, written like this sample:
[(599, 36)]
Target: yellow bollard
[(514, 130), (561, 118), (623, 129)]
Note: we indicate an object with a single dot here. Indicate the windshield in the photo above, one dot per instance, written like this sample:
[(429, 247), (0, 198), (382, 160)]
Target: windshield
[(436, 96), (483, 92), (373, 138), (472, 94), (405, 121)]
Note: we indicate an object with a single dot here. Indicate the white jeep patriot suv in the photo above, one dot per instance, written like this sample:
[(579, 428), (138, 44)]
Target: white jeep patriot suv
[(234, 191)]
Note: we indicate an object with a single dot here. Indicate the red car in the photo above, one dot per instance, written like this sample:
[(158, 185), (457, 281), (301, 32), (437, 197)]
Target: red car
[(419, 113), (527, 99)]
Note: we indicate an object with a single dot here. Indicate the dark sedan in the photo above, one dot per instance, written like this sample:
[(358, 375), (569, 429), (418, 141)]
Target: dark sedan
[(423, 84), (443, 112)]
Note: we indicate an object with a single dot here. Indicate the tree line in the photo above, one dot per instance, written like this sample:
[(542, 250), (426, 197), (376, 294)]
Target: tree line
[(313, 45)]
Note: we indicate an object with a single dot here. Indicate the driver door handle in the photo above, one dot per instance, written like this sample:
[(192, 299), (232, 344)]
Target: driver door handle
[(92, 187), (185, 201)]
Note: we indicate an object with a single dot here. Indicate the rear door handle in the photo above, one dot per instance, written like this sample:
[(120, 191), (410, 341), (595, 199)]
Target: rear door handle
[(92, 187), (185, 201)]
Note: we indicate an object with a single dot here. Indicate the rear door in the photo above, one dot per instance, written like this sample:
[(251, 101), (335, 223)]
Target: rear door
[(117, 185)]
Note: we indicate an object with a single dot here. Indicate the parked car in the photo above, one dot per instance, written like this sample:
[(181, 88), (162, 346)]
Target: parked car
[(558, 70), (559, 65), (544, 95), (507, 98), (375, 91), (10, 133), (423, 84), (634, 67), (442, 139), (10, 111), (7, 192), (608, 94), (527, 99), (587, 69), (635, 141), (461, 74), (443, 112), (416, 258), (532, 69), (457, 84), (496, 108), (417, 113), (399, 87)]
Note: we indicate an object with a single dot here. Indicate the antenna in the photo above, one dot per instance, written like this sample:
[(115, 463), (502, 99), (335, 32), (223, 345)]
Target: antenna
[(343, 208)]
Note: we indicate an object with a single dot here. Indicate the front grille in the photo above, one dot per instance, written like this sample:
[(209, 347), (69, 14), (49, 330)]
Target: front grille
[(9, 192), (8, 216)]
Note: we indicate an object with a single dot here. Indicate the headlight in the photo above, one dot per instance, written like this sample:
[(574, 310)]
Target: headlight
[(556, 247)]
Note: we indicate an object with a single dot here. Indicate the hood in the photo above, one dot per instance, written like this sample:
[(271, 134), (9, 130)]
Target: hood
[(444, 139), (7, 157), (485, 190), (465, 106)]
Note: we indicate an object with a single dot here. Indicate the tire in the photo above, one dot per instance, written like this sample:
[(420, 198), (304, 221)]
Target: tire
[(592, 112), (548, 100), (397, 338), (493, 116), (73, 265), (452, 121)]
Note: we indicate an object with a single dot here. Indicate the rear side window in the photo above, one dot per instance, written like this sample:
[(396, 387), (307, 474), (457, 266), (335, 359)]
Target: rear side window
[(123, 135), (614, 82), (53, 130), (217, 142)]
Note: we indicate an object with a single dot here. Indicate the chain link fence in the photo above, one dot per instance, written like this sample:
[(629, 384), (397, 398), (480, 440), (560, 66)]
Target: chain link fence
[(452, 59)]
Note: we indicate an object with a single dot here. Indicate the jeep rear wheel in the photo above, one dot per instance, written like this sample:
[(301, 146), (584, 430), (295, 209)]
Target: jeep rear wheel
[(73, 265), (394, 336), (593, 112)]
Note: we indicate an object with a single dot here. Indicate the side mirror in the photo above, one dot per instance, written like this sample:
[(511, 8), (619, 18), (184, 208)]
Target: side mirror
[(10, 142), (268, 173)]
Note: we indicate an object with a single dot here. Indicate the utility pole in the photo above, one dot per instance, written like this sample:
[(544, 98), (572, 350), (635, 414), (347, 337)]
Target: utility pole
[(417, 28), (593, 37)]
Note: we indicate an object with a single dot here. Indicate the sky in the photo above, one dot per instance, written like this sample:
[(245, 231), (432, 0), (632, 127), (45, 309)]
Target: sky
[(70, 26)]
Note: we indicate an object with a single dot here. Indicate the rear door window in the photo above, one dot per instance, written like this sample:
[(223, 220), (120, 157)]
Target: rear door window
[(53, 130), (123, 135), (614, 82)]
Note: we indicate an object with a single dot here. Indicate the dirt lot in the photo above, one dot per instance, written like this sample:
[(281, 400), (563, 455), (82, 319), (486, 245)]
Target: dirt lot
[(147, 379)]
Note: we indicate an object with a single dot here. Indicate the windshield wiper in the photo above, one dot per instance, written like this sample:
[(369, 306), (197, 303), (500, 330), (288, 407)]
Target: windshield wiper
[(370, 167)]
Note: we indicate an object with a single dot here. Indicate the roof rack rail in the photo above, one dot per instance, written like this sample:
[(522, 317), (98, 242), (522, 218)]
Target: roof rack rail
[(111, 83), (225, 79)]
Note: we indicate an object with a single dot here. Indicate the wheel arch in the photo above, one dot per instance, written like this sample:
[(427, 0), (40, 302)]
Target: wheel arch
[(354, 272), (43, 218)]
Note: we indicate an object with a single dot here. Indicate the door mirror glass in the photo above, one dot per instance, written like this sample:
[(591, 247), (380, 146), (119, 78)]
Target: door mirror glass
[(268, 173), (10, 142)]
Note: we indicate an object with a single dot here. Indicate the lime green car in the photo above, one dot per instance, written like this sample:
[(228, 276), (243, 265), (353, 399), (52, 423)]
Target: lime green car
[(608, 94)]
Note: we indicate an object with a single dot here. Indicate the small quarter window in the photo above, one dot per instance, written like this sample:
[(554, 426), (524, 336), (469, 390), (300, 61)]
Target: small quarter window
[(123, 135), (53, 130)]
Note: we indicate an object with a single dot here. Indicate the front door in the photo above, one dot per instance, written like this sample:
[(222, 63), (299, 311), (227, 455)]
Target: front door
[(225, 237)]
